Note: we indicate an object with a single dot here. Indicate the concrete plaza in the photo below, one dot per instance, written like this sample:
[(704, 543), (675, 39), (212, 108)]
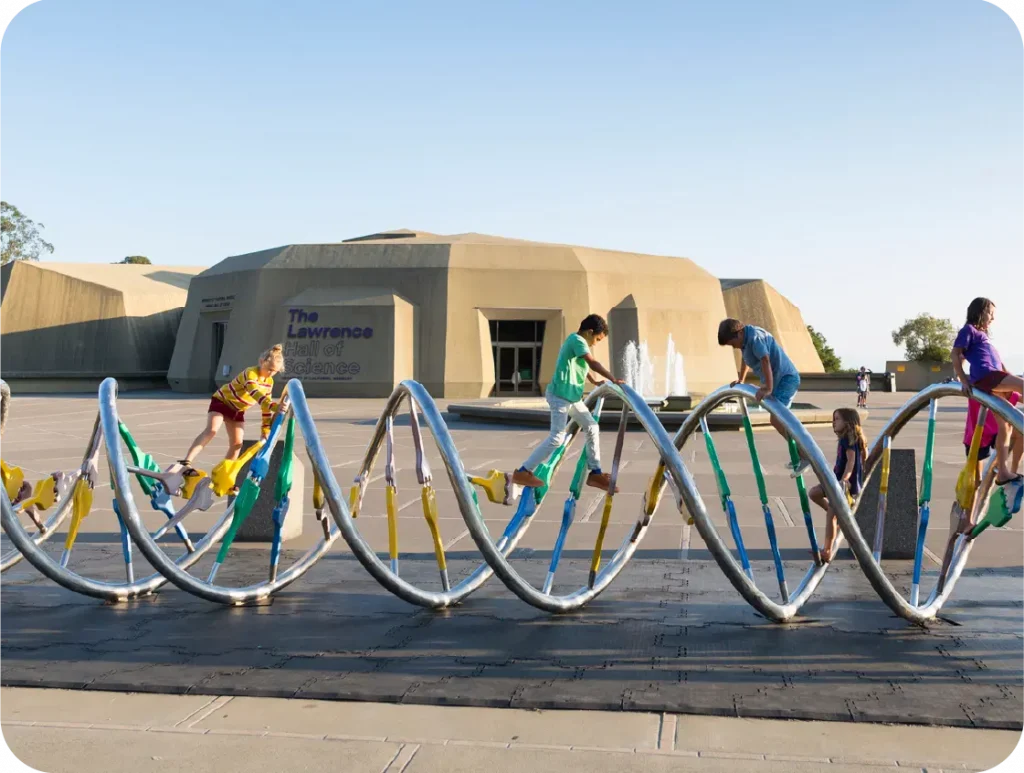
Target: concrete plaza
[(669, 640)]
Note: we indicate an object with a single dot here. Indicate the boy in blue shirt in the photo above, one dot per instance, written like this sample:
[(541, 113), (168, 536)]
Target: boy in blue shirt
[(763, 355), (565, 398)]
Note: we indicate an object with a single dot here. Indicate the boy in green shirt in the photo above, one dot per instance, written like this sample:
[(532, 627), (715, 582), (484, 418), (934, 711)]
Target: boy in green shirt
[(565, 397)]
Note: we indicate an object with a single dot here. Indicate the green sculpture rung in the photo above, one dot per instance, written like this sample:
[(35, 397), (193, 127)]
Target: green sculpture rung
[(142, 460), (581, 466), (801, 488), (929, 452), (998, 514), (724, 492), (748, 430), (243, 506), (546, 470), (284, 474)]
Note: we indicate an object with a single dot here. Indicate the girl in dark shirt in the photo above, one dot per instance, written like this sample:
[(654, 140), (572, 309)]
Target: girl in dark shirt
[(851, 451)]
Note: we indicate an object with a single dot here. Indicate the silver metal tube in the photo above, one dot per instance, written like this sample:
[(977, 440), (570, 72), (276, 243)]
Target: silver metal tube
[(495, 555), (71, 580)]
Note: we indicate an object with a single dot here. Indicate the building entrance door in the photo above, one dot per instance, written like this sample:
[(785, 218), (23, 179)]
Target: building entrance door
[(517, 348), (217, 347), (516, 369)]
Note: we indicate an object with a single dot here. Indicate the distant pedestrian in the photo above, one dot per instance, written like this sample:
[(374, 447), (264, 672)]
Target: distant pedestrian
[(863, 387)]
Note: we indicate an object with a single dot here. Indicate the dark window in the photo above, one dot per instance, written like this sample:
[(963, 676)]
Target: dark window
[(517, 330)]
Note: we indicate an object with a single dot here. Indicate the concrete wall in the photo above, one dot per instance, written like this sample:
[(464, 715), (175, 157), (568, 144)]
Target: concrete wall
[(85, 321), (841, 382), (367, 359), (261, 282), (672, 296), (755, 302), (915, 376)]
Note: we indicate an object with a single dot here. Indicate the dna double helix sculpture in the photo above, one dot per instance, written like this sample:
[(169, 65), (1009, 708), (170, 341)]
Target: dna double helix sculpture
[(979, 504)]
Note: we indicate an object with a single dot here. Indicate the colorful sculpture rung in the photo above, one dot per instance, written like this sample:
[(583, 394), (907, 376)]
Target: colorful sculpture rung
[(498, 486)]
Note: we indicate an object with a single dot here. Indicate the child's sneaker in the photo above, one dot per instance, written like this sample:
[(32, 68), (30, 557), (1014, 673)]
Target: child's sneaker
[(187, 470), (601, 480), (523, 477), (798, 470)]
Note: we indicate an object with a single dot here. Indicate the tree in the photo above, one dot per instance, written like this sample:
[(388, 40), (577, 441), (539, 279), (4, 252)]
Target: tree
[(20, 236), (137, 259), (925, 338), (829, 359)]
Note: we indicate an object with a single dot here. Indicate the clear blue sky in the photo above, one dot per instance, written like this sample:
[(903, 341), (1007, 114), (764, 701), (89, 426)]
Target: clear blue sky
[(865, 158)]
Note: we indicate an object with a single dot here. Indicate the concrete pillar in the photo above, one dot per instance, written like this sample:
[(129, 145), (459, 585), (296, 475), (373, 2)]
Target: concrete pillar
[(899, 538)]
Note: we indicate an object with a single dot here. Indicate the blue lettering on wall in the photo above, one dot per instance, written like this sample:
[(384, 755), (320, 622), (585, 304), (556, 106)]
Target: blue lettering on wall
[(297, 327)]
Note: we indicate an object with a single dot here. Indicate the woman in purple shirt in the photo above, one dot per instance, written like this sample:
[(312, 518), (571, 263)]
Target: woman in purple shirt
[(988, 373)]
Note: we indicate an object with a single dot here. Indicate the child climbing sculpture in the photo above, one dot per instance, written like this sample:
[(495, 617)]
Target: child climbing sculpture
[(565, 398), (762, 354), (229, 404), (988, 373), (851, 450)]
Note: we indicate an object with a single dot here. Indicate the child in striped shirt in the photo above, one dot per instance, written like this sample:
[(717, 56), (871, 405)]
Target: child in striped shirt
[(229, 403)]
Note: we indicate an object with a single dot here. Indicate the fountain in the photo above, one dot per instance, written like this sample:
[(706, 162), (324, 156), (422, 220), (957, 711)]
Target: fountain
[(638, 370)]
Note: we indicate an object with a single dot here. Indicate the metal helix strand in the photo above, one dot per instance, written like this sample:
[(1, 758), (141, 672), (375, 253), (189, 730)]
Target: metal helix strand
[(174, 572), (670, 470), (60, 574), (62, 506)]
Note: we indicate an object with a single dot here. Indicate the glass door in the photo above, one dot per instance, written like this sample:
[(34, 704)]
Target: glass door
[(515, 369), (526, 370), (217, 347), (505, 363)]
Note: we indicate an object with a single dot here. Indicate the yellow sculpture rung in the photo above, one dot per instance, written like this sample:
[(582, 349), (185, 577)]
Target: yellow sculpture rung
[(392, 506), (319, 500), (965, 481), (883, 485), (13, 477), (654, 489), (44, 495), (226, 471), (498, 486), (430, 513), (80, 506), (595, 561), (188, 488), (353, 501)]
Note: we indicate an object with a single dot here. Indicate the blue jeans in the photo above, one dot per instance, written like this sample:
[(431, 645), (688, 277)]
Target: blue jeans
[(785, 389)]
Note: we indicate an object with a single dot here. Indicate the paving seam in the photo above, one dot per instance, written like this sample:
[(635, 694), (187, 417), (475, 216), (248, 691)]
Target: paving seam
[(196, 711), (784, 510)]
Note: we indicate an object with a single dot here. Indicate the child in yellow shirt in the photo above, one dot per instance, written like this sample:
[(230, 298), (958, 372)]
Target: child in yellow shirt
[(230, 402)]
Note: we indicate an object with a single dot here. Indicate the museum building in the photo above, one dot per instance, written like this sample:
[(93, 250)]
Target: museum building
[(468, 315)]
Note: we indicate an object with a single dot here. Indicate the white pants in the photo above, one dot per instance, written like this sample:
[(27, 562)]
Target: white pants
[(561, 412)]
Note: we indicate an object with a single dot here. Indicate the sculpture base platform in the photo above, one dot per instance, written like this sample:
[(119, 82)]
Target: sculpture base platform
[(259, 526), (899, 537)]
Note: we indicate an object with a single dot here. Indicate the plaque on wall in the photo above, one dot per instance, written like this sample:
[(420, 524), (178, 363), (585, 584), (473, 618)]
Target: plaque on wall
[(217, 303)]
